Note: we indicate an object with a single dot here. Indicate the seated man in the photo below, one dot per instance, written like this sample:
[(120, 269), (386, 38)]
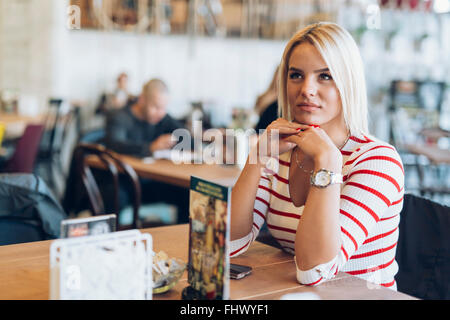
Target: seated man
[(141, 129), (145, 126)]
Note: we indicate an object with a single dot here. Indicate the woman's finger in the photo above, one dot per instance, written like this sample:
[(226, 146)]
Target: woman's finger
[(294, 139), (284, 123), (282, 131), (306, 126)]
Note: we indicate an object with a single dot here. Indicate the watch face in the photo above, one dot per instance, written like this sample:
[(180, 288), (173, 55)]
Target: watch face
[(322, 179)]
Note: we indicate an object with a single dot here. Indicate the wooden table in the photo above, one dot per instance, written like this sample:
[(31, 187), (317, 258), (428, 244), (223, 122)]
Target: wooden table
[(177, 174), (24, 272)]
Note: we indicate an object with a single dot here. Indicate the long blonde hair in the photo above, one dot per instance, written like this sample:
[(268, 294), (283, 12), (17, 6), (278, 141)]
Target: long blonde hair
[(341, 54)]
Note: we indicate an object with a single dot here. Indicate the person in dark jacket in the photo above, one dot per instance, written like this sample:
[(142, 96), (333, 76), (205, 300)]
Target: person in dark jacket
[(141, 129), (145, 126)]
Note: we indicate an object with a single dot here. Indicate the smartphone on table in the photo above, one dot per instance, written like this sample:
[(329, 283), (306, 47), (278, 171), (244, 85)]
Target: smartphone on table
[(238, 271)]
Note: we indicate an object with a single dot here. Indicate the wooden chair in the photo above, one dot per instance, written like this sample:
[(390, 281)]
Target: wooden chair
[(115, 167), (57, 125)]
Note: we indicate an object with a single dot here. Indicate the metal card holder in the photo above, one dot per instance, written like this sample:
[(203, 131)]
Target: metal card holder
[(95, 225)]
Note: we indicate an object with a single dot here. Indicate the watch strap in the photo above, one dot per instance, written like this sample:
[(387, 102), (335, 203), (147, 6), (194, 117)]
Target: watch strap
[(335, 178)]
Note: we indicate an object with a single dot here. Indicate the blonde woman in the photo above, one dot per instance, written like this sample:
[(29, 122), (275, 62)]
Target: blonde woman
[(333, 194)]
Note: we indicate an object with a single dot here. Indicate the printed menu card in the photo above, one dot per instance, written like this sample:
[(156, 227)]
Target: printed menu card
[(208, 267)]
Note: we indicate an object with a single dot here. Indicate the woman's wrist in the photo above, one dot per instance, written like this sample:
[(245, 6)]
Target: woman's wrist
[(255, 158), (259, 155), (330, 160)]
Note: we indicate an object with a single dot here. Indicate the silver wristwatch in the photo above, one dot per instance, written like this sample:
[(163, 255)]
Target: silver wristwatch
[(323, 178)]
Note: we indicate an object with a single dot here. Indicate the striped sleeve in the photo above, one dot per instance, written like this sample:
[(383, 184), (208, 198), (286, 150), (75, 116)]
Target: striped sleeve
[(260, 208), (372, 186)]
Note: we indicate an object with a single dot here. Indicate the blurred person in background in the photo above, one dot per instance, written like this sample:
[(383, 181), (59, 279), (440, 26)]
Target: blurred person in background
[(138, 130), (142, 129), (145, 126), (119, 98), (266, 105)]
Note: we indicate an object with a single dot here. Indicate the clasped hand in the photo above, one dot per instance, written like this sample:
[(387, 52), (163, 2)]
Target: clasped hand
[(312, 141)]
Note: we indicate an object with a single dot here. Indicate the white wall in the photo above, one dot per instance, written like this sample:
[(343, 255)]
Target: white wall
[(228, 72), (40, 57), (32, 33)]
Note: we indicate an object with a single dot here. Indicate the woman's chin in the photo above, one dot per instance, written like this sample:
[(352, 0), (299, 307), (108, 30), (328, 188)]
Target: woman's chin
[(305, 122)]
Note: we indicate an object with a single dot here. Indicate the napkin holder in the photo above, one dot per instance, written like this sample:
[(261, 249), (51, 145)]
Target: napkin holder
[(116, 266)]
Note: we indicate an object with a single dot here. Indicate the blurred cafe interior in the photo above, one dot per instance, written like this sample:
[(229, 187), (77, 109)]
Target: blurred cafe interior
[(64, 64)]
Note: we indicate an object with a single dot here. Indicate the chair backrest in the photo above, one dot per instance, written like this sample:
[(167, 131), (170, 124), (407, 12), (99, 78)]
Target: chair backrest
[(57, 122), (27, 147), (51, 121), (423, 250), (112, 163)]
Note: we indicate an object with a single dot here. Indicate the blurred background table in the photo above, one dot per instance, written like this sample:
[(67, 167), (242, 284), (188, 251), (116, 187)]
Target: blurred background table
[(177, 174)]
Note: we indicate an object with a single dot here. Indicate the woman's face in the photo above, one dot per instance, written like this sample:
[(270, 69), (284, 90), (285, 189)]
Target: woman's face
[(312, 93)]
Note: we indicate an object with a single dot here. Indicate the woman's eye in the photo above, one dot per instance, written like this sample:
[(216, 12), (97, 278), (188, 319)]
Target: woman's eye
[(295, 75), (325, 76)]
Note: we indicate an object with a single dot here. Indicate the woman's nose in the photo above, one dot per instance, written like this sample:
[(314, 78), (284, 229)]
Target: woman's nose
[(309, 87)]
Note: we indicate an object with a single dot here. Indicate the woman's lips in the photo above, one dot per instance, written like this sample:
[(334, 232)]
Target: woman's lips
[(308, 106)]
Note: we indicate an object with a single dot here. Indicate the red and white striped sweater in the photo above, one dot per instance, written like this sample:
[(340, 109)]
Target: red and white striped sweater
[(371, 200)]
